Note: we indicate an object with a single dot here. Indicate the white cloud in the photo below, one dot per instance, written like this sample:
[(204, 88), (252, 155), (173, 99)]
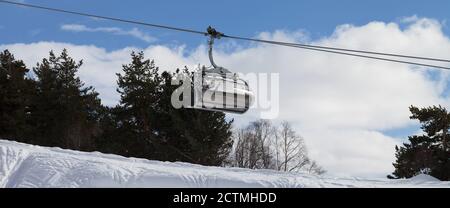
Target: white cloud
[(409, 19), (351, 151), (135, 32), (339, 104)]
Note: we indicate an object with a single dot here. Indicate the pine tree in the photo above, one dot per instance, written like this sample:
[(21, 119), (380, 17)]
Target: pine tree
[(15, 91), (45, 104), (139, 89), (64, 112), (428, 153)]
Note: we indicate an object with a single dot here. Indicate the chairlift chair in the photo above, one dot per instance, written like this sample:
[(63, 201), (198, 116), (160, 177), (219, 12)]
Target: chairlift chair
[(220, 89)]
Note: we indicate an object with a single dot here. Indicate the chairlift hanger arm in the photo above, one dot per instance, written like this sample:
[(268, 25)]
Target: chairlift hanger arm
[(210, 51), (213, 34)]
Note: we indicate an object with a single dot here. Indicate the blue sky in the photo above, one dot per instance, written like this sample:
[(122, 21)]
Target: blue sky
[(361, 104), (245, 18)]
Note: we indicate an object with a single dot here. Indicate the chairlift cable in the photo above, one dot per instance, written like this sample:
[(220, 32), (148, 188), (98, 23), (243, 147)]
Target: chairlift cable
[(368, 57), (103, 17), (334, 50)]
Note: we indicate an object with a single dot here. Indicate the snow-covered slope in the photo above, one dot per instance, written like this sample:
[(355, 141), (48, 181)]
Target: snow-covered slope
[(23, 165)]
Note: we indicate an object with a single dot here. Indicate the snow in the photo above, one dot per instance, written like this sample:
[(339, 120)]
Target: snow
[(23, 165), (424, 178)]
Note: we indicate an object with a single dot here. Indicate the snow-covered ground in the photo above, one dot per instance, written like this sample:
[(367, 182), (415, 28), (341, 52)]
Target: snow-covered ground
[(23, 165)]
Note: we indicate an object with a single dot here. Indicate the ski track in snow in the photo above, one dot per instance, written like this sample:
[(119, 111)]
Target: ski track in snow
[(23, 165)]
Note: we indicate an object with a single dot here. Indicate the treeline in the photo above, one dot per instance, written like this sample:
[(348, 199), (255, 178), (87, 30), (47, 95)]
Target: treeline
[(50, 106)]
